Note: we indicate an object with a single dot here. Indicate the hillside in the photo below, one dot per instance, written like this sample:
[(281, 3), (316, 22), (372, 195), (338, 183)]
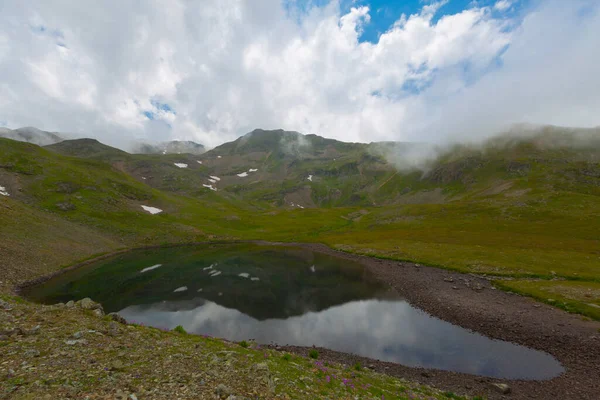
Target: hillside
[(521, 206), (31, 135), (521, 212)]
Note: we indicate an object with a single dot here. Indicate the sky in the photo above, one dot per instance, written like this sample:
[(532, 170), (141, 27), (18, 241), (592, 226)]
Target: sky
[(362, 70)]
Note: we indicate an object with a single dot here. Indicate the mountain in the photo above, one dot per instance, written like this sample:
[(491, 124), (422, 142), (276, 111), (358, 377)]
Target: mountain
[(87, 148), (172, 147), (523, 205), (31, 135)]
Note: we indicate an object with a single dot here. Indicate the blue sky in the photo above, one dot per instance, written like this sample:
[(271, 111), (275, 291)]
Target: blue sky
[(384, 13)]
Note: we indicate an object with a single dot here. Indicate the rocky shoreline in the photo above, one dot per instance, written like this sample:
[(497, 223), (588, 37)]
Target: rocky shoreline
[(472, 302)]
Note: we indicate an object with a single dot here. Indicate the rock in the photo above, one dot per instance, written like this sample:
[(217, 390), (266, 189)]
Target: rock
[(500, 387), (78, 335), (89, 304), (261, 367), (113, 329), (98, 312), (33, 331), (132, 396), (425, 374), (117, 318), (455, 287), (66, 206), (223, 391), (5, 305), (449, 279), (117, 365), (3, 337), (74, 342), (120, 395), (32, 353), (70, 304), (478, 287)]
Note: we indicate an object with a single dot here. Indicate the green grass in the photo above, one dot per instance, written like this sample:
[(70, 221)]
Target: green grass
[(180, 329), (542, 224), (575, 297), (314, 354)]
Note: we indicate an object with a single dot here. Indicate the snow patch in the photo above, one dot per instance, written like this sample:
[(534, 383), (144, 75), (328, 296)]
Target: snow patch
[(143, 177), (210, 187), (310, 178), (218, 156), (199, 290), (150, 268), (244, 275), (199, 162), (254, 278), (209, 267), (152, 210), (312, 269), (216, 178), (212, 181), (243, 175), (3, 191), (181, 165), (216, 273), (252, 170), (180, 289)]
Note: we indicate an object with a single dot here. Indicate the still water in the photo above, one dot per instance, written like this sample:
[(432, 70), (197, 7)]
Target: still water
[(287, 295)]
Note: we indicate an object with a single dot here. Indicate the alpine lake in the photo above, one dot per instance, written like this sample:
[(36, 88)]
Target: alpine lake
[(286, 295)]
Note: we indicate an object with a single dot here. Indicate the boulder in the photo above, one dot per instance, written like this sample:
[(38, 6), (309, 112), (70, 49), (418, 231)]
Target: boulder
[(500, 388)]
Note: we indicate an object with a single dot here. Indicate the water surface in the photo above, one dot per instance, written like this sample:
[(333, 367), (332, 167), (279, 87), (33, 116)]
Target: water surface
[(287, 295)]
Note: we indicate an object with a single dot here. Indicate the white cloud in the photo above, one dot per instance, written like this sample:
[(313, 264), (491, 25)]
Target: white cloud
[(503, 5), (211, 71)]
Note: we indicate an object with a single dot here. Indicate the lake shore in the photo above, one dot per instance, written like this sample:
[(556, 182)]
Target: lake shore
[(471, 302)]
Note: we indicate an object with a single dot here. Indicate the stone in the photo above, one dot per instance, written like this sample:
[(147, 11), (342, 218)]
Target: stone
[(223, 391), (455, 287), (113, 329), (449, 279), (500, 388), (74, 342), (33, 331), (32, 353), (5, 305), (117, 365), (70, 304), (117, 318), (88, 304), (261, 367), (98, 312), (66, 206), (78, 335), (120, 395)]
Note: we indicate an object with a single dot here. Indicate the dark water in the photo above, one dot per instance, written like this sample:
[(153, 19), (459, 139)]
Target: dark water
[(287, 295)]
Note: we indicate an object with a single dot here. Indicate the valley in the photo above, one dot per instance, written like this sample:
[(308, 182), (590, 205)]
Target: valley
[(495, 228)]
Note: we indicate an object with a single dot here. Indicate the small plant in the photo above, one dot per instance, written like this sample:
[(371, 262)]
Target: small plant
[(244, 344), (357, 366), (179, 329), (287, 357), (313, 354)]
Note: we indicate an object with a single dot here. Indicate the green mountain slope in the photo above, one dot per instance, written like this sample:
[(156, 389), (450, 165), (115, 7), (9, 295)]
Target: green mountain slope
[(515, 207)]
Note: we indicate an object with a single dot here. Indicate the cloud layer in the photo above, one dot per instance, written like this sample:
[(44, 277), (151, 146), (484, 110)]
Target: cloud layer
[(209, 72)]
